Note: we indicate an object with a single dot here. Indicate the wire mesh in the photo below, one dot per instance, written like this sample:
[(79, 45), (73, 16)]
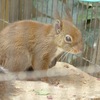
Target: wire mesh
[(85, 16)]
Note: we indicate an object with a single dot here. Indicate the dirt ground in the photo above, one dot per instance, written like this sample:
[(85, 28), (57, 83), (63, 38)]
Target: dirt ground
[(74, 84)]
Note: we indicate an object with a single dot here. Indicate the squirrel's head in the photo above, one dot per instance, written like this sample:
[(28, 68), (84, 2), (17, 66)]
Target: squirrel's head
[(68, 36)]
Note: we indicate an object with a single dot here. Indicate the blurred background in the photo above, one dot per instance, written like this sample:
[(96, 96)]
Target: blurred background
[(85, 14)]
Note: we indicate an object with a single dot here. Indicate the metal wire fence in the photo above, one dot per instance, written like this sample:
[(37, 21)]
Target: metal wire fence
[(86, 16)]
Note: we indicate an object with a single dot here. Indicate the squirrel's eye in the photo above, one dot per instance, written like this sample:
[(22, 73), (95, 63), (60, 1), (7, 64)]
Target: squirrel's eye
[(68, 39)]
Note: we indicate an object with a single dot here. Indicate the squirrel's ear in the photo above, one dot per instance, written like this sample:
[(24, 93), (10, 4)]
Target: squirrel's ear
[(58, 26)]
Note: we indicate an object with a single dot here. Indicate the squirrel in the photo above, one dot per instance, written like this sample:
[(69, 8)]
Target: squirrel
[(31, 43)]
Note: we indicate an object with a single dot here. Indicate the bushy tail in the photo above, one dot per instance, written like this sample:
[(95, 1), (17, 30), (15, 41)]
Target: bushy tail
[(7, 88)]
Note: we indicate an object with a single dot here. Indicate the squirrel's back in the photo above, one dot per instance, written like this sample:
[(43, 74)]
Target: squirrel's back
[(22, 40)]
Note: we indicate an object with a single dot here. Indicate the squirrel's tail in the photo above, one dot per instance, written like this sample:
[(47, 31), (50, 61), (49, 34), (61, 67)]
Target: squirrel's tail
[(7, 88)]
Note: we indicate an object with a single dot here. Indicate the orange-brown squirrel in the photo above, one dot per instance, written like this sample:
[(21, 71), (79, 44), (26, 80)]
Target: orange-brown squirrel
[(30, 43)]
